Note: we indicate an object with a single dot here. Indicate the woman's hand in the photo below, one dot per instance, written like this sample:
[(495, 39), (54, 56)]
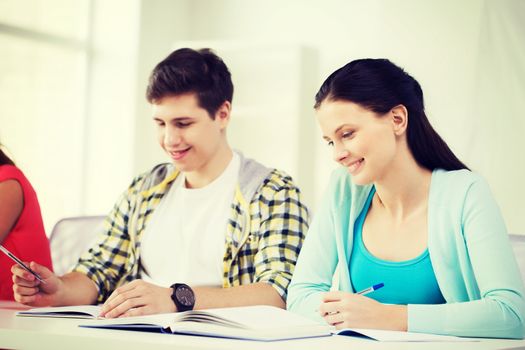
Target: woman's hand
[(348, 310), (30, 291), (138, 298)]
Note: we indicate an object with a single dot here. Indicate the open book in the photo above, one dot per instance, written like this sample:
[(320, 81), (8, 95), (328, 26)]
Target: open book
[(263, 323)]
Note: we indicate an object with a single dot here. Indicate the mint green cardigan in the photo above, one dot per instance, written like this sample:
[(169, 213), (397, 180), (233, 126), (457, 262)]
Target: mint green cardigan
[(468, 245)]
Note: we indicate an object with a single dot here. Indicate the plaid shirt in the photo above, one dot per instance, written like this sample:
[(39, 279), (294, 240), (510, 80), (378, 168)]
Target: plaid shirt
[(263, 237)]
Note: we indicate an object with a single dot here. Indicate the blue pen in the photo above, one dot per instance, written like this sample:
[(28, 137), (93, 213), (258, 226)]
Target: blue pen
[(371, 289)]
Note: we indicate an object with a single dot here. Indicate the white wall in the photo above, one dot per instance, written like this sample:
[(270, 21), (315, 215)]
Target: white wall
[(496, 116), (162, 22), (435, 40), (42, 84), (110, 124), (468, 56), (455, 49), (443, 44)]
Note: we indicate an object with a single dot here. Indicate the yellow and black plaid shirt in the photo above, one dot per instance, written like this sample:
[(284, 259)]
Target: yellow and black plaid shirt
[(263, 237)]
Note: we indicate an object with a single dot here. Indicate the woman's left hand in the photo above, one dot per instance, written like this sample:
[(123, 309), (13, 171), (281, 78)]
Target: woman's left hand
[(349, 310), (138, 298)]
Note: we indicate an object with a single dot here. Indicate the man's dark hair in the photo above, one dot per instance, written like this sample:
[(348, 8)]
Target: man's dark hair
[(192, 71)]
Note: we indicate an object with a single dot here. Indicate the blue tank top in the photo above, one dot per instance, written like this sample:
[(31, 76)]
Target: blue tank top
[(406, 282)]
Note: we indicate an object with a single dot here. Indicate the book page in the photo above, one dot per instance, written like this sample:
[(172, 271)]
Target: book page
[(258, 317), (206, 317), (264, 334), (79, 311), (395, 336), (252, 322)]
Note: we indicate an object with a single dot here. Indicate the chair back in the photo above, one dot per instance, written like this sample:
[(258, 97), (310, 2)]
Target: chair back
[(518, 245), (70, 237)]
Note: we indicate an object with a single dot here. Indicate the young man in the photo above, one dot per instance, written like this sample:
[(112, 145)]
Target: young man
[(210, 229)]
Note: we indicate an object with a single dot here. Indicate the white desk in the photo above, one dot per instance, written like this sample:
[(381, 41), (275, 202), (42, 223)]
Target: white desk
[(54, 333)]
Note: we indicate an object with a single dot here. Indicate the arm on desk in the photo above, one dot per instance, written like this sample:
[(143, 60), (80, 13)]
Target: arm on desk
[(139, 298), (251, 294)]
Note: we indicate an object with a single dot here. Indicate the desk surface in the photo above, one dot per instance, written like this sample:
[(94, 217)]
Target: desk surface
[(55, 333)]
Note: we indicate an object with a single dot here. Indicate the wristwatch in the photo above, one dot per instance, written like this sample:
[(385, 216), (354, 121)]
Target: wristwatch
[(183, 296)]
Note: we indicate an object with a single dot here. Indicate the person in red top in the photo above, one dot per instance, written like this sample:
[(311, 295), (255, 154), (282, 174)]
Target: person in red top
[(21, 226)]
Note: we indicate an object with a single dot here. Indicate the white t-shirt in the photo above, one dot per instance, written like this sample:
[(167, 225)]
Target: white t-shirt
[(184, 240)]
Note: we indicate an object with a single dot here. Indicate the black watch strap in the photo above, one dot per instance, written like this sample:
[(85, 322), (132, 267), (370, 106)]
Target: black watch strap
[(183, 297)]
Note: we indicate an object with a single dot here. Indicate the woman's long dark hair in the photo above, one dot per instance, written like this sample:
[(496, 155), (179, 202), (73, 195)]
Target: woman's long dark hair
[(379, 85), (4, 159)]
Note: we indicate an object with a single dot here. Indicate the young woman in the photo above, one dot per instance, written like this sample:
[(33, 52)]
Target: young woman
[(21, 227), (405, 212)]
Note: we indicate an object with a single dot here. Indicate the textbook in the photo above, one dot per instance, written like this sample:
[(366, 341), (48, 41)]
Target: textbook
[(80, 311), (261, 322)]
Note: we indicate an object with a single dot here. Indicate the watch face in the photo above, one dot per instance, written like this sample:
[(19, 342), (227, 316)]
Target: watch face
[(185, 296)]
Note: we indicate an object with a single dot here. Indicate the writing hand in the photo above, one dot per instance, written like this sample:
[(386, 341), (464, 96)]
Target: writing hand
[(349, 310)]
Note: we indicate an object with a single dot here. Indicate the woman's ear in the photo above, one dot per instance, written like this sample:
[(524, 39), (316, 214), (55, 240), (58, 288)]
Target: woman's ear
[(399, 116)]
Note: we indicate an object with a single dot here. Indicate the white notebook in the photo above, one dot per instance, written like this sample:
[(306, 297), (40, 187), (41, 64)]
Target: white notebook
[(79, 311)]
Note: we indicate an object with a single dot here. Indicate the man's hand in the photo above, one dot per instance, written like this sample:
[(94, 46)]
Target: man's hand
[(138, 298), (30, 291), (348, 310)]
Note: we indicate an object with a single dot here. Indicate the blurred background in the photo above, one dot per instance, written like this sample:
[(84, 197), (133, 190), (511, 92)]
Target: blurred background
[(73, 75)]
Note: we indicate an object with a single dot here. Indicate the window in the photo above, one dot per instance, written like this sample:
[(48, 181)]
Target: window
[(44, 45)]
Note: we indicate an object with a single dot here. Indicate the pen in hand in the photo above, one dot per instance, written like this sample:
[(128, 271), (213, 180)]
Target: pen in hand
[(371, 289), (20, 263), (363, 292)]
